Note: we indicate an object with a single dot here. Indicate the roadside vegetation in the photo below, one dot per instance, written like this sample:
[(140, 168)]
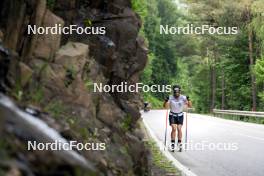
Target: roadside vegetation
[(158, 163), (257, 120)]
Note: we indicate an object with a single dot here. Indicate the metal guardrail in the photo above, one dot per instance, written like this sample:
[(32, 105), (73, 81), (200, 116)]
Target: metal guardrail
[(191, 109), (239, 113), (188, 110)]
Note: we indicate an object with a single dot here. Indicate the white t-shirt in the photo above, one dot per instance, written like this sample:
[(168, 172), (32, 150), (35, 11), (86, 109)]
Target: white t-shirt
[(177, 104)]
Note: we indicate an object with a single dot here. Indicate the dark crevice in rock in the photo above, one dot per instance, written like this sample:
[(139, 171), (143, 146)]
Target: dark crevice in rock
[(5, 58)]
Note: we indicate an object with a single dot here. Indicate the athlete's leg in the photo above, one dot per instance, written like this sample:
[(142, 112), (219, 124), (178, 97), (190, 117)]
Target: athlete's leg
[(173, 131), (179, 127), (173, 135), (179, 131)]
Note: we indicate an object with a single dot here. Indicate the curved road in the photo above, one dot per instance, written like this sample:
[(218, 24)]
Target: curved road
[(241, 145)]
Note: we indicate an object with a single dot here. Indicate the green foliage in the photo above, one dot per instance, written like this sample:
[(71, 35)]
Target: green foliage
[(37, 95), (51, 4), (146, 75), (258, 21), (154, 102), (201, 92), (258, 27), (206, 65), (71, 74), (261, 96), (17, 91), (56, 109), (84, 133), (126, 123), (140, 7), (164, 51), (87, 22), (259, 70), (88, 84), (18, 95)]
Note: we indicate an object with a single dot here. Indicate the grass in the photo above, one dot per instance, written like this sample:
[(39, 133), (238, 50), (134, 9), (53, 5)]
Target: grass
[(37, 95), (71, 75), (88, 84), (86, 134), (126, 123), (55, 108), (159, 160), (17, 91), (160, 165), (87, 22)]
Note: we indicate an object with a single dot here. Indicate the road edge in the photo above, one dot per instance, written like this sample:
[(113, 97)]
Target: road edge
[(185, 171)]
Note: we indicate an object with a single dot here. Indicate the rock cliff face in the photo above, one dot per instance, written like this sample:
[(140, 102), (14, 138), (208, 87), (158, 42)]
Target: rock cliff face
[(54, 73)]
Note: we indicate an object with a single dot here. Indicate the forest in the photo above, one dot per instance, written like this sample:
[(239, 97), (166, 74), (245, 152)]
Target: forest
[(216, 71)]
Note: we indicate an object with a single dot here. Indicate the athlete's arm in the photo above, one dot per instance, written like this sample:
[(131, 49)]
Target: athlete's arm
[(189, 103), (166, 103)]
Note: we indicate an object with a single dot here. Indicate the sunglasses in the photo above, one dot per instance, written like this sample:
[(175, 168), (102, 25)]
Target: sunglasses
[(176, 90)]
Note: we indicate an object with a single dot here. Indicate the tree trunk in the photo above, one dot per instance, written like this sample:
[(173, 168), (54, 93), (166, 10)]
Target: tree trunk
[(213, 86), (223, 90), (251, 61)]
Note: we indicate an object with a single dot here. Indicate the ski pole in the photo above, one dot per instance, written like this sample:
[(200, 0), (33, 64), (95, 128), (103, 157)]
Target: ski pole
[(186, 128), (167, 111)]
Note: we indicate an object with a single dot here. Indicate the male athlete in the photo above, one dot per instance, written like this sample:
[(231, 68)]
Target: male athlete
[(176, 104)]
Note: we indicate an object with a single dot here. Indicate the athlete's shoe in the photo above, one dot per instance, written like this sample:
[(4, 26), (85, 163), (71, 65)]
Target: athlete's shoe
[(180, 147), (172, 147)]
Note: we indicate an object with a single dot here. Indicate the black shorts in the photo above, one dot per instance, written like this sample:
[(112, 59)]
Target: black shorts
[(176, 118)]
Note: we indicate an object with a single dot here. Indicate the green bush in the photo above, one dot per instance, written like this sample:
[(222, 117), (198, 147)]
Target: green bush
[(155, 102), (51, 4), (55, 108), (126, 123)]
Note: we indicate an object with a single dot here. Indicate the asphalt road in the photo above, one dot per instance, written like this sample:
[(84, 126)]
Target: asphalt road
[(230, 148)]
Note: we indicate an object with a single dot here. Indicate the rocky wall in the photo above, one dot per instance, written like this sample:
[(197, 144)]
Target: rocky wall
[(53, 73)]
